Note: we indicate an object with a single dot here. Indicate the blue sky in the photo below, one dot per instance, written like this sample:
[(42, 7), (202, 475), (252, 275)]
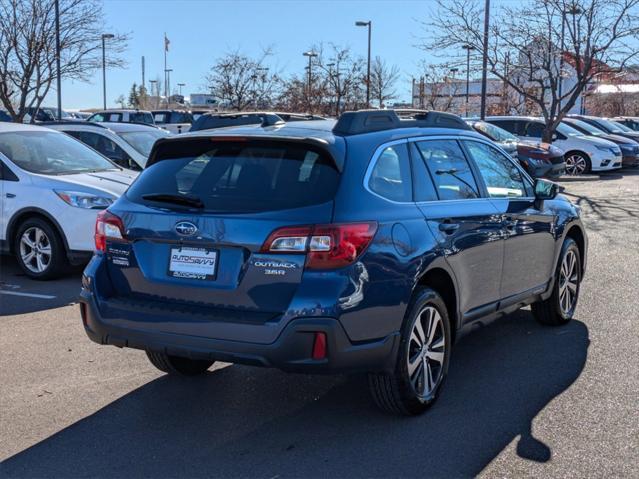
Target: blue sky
[(200, 31)]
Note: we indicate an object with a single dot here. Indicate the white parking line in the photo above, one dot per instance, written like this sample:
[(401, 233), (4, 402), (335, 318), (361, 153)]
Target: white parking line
[(28, 295)]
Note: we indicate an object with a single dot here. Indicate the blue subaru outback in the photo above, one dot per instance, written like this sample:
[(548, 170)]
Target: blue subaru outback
[(368, 244)]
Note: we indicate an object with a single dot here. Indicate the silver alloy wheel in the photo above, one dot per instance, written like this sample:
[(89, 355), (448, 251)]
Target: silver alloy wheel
[(568, 283), (426, 352), (575, 164), (35, 249)]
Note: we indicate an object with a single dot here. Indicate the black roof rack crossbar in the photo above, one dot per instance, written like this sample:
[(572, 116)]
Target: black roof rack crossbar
[(268, 118), (71, 123), (366, 121)]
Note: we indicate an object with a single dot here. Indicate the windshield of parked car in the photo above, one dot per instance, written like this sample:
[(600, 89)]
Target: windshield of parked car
[(142, 141), (587, 128), (494, 132), (51, 153), (621, 126), (611, 126), (568, 130)]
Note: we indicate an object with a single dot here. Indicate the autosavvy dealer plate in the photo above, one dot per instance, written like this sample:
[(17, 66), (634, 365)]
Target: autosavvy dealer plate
[(193, 263)]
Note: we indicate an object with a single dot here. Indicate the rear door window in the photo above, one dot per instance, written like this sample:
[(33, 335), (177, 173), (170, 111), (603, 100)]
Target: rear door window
[(160, 118), (241, 177), (116, 117), (511, 126), (534, 129), (391, 177), (449, 169), (141, 118)]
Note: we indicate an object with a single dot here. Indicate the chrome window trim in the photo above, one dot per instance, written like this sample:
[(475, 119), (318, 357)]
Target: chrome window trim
[(378, 151), (371, 166)]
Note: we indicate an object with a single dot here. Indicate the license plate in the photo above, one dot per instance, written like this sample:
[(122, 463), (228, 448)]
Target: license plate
[(193, 263)]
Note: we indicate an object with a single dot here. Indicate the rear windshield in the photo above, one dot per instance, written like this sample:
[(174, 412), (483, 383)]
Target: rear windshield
[(241, 177)]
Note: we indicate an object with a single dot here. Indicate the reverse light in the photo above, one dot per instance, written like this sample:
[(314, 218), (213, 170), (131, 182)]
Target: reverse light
[(327, 246), (107, 226), (84, 200)]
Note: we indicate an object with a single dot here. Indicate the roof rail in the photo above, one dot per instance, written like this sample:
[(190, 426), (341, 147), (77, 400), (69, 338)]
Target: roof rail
[(267, 118), (366, 121), (71, 123)]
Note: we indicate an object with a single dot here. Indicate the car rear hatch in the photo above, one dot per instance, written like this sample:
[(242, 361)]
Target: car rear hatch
[(195, 223)]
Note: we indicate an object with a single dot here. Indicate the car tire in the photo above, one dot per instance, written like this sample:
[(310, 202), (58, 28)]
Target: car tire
[(406, 392), (577, 163), (178, 365), (560, 307), (39, 249)]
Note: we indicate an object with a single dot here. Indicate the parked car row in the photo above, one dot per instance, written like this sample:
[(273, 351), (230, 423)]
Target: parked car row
[(589, 144)]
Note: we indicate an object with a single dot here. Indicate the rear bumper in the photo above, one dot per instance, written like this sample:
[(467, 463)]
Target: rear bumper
[(291, 351)]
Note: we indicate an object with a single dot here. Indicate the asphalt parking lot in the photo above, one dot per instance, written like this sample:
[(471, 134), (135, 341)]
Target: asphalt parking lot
[(521, 399)]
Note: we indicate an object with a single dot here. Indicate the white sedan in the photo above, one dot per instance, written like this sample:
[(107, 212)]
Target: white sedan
[(51, 189)]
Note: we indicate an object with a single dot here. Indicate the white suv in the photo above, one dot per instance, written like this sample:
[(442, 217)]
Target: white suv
[(126, 144), (51, 190), (123, 116), (583, 154)]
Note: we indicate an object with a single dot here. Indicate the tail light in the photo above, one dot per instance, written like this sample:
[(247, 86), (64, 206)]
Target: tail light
[(107, 226), (326, 246)]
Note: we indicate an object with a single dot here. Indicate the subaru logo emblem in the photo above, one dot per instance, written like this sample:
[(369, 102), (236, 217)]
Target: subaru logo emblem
[(185, 228)]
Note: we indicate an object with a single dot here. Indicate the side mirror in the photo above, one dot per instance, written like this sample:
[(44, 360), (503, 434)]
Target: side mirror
[(545, 190), (555, 136)]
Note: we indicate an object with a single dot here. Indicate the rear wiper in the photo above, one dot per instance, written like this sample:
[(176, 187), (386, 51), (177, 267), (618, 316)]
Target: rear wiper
[(193, 201)]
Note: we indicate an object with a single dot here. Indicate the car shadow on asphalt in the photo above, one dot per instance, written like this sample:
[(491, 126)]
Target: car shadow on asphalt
[(241, 421), (21, 295)]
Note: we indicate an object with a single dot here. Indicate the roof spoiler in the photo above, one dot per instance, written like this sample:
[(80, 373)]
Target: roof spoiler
[(366, 121), (70, 122)]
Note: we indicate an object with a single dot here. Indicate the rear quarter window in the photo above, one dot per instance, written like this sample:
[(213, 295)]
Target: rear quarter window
[(242, 177), (391, 176)]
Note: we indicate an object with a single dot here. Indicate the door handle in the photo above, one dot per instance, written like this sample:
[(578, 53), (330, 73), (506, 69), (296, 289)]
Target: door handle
[(448, 227), (10, 195)]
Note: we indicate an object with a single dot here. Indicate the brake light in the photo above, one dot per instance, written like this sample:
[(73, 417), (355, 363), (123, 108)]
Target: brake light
[(326, 246), (107, 226)]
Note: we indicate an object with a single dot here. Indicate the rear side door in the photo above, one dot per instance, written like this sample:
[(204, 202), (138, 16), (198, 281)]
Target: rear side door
[(528, 230), (466, 225)]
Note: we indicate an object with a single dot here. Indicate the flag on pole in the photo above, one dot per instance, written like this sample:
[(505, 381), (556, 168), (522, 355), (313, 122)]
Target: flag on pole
[(166, 43)]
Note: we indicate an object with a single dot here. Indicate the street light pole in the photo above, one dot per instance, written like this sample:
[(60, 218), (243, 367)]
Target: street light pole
[(574, 10), (310, 54), (105, 36), (368, 24), (167, 73), (180, 85), (468, 48), (154, 86), (484, 68)]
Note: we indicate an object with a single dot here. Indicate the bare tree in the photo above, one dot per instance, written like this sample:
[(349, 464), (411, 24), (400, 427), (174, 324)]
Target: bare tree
[(27, 48), (528, 51), (383, 80), (240, 81), (439, 88)]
